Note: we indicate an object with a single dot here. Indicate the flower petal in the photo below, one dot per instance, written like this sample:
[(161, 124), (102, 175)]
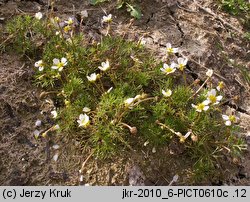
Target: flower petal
[(56, 61), (206, 102), (219, 98), (60, 69), (225, 117), (175, 50), (168, 45), (64, 61), (206, 108), (180, 60), (86, 109), (173, 65)]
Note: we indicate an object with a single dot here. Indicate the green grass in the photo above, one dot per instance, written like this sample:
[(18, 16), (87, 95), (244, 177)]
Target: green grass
[(239, 8)]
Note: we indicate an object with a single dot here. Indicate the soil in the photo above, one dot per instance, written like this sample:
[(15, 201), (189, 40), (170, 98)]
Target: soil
[(206, 35)]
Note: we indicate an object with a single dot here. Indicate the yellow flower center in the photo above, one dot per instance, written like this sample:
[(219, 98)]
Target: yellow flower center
[(169, 70), (212, 98), (221, 85), (200, 106), (41, 64), (181, 67), (170, 50), (60, 64), (232, 118), (182, 139), (67, 28)]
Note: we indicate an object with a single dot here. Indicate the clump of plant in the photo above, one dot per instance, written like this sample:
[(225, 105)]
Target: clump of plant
[(239, 8), (236, 6), (114, 96), (129, 5)]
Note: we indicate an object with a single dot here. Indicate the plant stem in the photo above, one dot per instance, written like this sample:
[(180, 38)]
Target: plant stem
[(199, 88), (170, 129)]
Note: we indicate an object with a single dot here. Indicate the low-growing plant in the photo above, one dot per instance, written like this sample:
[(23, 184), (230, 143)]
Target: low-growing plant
[(235, 7), (240, 8), (130, 6), (115, 96)]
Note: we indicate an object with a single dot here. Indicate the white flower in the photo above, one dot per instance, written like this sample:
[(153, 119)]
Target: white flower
[(175, 178), (56, 127), (220, 86), (55, 21), (86, 109), (171, 50), (183, 138), (84, 13), (129, 101), (93, 77), (69, 41), (182, 62), (36, 133), (109, 90), (40, 65), (83, 120), (167, 93), (142, 41), (201, 106), (212, 98), (54, 114), (38, 15), (59, 64), (38, 123), (105, 66), (153, 150), (229, 119), (107, 19), (55, 157), (70, 21), (209, 72), (168, 69)]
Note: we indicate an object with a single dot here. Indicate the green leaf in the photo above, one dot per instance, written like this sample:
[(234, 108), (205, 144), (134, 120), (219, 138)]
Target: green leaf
[(120, 4), (135, 12), (95, 2)]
